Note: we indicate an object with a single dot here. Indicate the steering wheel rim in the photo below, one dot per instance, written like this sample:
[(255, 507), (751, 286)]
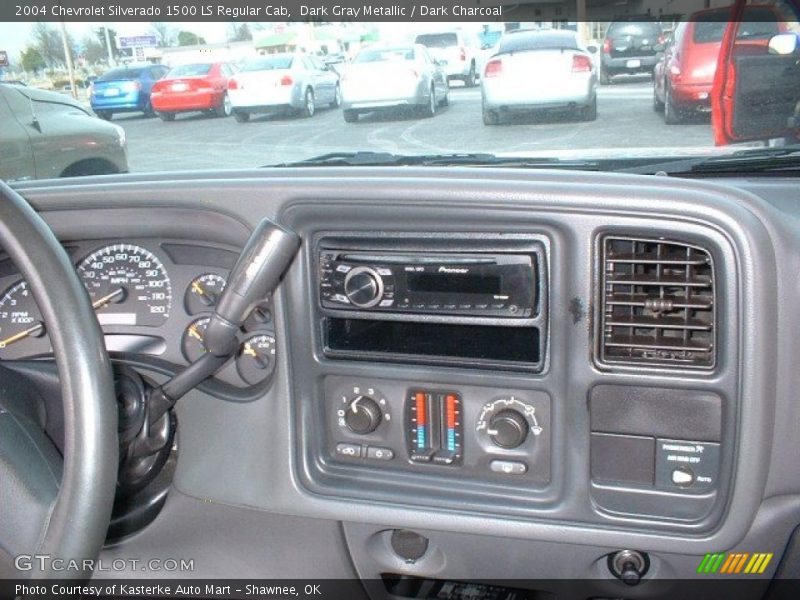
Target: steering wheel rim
[(79, 517)]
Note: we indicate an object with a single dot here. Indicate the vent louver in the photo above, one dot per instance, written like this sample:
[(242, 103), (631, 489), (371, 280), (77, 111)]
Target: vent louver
[(657, 304)]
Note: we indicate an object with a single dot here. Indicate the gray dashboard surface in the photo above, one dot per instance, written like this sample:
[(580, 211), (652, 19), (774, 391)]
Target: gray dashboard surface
[(255, 455)]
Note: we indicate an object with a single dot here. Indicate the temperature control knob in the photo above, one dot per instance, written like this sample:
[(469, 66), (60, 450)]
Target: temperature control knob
[(363, 415), (364, 287), (508, 428)]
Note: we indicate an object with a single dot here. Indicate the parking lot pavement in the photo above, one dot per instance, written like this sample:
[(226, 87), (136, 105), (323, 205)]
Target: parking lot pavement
[(626, 120)]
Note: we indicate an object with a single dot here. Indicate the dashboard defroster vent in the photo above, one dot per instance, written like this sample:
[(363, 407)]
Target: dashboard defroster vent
[(657, 304)]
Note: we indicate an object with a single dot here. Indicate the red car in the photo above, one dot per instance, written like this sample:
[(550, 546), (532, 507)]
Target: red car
[(683, 77), (190, 88)]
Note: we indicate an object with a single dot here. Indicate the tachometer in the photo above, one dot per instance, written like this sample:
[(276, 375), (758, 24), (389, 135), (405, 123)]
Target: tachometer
[(19, 316), (128, 285)]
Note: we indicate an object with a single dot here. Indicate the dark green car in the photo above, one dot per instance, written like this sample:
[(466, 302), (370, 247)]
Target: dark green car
[(46, 134)]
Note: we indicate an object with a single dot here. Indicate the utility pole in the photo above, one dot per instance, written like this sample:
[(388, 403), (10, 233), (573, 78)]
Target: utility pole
[(111, 61), (68, 58)]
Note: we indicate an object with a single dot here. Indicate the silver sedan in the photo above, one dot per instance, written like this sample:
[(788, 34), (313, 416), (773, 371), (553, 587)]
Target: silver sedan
[(385, 77), (539, 70)]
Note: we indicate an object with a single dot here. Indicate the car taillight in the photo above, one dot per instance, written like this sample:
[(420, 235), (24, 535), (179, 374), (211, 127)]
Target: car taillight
[(493, 68), (581, 63), (463, 55), (233, 84), (287, 80), (607, 46)]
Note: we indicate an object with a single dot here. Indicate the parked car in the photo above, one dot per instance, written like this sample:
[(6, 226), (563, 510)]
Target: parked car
[(46, 134), (288, 82), (684, 75), (125, 89), (191, 88), (630, 47), (391, 77), (458, 52), (512, 79)]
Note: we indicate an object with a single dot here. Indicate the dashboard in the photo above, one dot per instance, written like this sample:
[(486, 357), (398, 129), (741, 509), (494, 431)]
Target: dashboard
[(532, 370)]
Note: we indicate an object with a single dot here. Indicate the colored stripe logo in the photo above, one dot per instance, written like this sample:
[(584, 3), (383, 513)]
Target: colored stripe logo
[(735, 563)]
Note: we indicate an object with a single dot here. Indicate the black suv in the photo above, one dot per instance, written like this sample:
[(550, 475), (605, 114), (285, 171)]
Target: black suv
[(630, 47)]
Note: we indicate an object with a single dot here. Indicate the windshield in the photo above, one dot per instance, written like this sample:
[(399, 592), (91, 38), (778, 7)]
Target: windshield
[(225, 91), (190, 71)]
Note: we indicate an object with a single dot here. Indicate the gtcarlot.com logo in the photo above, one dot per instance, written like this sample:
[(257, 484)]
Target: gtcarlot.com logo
[(735, 563)]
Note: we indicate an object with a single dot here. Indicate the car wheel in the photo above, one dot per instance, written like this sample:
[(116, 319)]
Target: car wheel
[(350, 116), (672, 114), (446, 100), (430, 108), (225, 108), (589, 112), (471, 79), (658, 105), (490, 117), (605, 77), (104, 114), (166, 116), (309, 105), (241, 116), (337, 97)]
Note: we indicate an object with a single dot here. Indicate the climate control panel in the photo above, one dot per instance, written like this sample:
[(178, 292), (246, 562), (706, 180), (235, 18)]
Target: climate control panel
[(440, 428)]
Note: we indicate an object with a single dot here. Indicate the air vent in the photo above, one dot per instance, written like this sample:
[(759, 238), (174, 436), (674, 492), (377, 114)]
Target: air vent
[(657, 304)]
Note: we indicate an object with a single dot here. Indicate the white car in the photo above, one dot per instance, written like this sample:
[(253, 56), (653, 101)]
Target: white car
[(458, 52), (289, 82), (390, 77), (539, 70)]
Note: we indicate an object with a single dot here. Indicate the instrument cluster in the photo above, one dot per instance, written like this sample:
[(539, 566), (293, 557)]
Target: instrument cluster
[(152, 300)]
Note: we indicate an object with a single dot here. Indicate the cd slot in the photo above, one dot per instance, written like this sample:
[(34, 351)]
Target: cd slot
[(433, 343)]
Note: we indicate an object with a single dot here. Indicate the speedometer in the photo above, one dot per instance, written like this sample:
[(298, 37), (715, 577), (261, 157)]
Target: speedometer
[(128, 285)]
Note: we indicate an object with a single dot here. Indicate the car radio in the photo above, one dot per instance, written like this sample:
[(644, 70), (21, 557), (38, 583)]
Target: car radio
[(494, 285)]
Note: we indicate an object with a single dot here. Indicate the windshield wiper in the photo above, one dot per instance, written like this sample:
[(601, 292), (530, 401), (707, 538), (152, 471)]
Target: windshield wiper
[(752, 160), (387, 159)]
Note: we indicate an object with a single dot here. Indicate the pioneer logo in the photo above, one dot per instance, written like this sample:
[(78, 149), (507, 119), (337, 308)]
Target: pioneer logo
[(453, 270)]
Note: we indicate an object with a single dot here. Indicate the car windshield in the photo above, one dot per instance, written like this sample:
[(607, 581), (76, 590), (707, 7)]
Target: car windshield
[(533, 85), (384, 54), (437, 40), (270, 63), (124, 73), (197, 70)]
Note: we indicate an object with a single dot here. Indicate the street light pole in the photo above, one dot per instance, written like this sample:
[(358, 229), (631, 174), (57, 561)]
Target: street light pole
[(68, 59), (111, 61)]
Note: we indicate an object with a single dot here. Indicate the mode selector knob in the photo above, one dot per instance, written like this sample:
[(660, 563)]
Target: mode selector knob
[(363, 415), (364, 287), (508, 428)]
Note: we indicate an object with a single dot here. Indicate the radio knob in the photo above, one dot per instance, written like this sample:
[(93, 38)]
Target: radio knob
[(508, 429), (363, 415), (364, 287)]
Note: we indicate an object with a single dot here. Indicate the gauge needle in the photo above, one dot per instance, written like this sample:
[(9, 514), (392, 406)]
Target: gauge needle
[(193, 331), (198, 289), (108, 298), (21, 335)]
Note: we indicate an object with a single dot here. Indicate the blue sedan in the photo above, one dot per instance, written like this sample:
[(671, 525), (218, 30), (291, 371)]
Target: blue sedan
[(125, 89)]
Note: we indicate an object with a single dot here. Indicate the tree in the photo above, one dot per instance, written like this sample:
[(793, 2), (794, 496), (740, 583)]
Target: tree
[(239, 32), (100, 35), (187, 38), (47, 41), (165, 34), (31, 60), (93, 50)]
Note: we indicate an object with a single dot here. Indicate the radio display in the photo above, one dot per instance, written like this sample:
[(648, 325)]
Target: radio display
[(454, 283)]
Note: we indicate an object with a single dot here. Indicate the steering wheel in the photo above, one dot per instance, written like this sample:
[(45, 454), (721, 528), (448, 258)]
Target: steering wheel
[(55, 507)]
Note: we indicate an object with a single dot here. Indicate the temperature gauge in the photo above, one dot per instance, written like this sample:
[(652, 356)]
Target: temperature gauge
[(434, 427), (256, 359), (203, 292), (193, 344)]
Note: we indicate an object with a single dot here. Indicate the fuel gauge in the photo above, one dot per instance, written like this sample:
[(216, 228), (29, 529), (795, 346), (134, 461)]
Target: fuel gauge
[(203, 292), (193, 345), (256, 359)]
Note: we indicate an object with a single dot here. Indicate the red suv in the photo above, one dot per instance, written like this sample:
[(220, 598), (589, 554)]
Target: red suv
[(683, 77)]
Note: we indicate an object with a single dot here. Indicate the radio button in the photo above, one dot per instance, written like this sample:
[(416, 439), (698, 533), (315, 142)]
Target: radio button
[(364, 287), (449, 306), (498, 306), (343, 268), (340, 298), (465, 306), (433, 306), (481, 306), (419, 306), (384, 271), (508, 467), (385, 303)]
